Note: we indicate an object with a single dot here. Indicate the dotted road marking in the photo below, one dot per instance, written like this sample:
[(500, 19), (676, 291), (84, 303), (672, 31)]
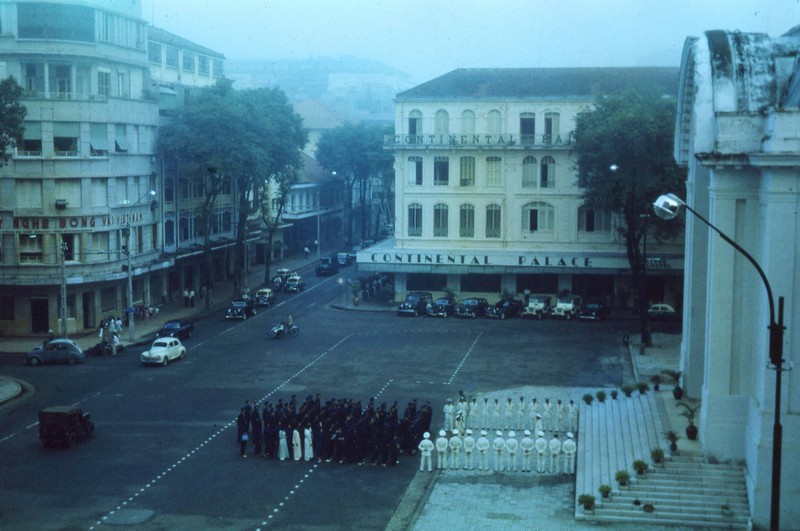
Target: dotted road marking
[(464, 359)]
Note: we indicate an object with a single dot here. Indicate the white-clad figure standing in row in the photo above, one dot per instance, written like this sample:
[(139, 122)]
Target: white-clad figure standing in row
[(526, 445), (308, 444), (496, 414), (455, 445), (462, 407), (297, 445), (521, 413), (511, 448), (426, 449), (473, 414), (483, 446), (547, 416), (485, 413), (441, 449), (539, 426), (449, 411), (541, 451), (570, 448), (555, 453), (499, 445), (510, 410), (561, 417), (469, 447), (572, 415), (533, 411)]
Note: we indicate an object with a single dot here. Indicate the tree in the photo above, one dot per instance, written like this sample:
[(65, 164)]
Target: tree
[(272, 202), (355, 153), (624, 155), (12, 114), (238, 137)]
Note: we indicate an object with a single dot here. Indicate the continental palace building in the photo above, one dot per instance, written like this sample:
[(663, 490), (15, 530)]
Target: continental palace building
[(75, 197), (487, 200)]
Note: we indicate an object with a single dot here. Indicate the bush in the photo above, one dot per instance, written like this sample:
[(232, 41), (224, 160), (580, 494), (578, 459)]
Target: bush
[(614, 394), (604, 490), (587, 500), (601, 396), (642, 387), (640, 466), (657, 454), (622, 477), (627, 389), (588, 399)]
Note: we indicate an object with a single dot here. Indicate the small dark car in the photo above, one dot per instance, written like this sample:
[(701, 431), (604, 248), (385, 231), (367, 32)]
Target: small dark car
[(441, 307), (265, 297), (180, 328), (472, 307), (241, 309), (327, 266), (104, 348), (56, 351), (505, 308), (594, 311), (61, 425), (344, 259), (416, 303)]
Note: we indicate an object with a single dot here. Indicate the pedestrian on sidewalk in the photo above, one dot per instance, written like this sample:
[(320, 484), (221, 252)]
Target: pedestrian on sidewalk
[(191, 298), (114, 344), (306, 252)]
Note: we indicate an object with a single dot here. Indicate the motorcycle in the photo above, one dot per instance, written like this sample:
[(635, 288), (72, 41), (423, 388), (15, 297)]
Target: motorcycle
[(281, 329)]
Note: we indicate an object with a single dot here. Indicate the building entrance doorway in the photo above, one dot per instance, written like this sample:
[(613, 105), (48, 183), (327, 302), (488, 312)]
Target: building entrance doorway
[(88, 310), (40, 316)]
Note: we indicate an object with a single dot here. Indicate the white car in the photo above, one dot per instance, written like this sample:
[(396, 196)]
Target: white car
[(163, 350)]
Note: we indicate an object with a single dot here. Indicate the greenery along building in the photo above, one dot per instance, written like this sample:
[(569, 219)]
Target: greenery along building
[(487, 199)]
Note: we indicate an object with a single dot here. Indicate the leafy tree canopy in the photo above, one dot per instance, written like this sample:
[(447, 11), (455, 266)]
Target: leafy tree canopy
[(355, 151), (12, 114)]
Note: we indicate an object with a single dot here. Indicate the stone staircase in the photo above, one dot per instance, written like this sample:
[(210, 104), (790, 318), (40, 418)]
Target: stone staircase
[(685, 490)]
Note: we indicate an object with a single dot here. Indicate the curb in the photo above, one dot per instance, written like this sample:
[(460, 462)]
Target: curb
[(9, 389)]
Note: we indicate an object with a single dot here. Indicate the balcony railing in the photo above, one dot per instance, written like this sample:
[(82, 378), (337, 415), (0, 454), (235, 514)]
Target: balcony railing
[(451, 141)]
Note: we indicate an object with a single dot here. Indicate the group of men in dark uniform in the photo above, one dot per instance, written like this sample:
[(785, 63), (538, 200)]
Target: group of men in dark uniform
[(341, 430)]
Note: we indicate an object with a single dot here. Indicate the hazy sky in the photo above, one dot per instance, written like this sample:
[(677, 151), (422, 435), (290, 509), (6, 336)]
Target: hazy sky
[(432, 37)]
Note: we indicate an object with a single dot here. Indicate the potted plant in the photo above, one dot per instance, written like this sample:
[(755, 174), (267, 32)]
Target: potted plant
[(675, 376), (614, 394), (672, 437), (640, 467), (355, 288), (601, 396), (689, 412), (588, 399), (627, 389), (656, 381), (604, 490), (622, 477), (587, 500), (642, 387), (657, 454)]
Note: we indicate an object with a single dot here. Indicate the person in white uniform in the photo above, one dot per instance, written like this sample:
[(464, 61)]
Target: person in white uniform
[(541, 451), (555, 453), (441, 449), (425, 447), (570, 449), (499, 445), (455, 444), (526, 445), (512, 445), (483, 446), (469, 447)]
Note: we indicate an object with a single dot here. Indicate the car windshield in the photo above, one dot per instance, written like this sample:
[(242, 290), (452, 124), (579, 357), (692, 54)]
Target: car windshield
[(412, 298), (471, 302), (565, 301), (172, 324), (238, 304), (442, 301), (160, 344)]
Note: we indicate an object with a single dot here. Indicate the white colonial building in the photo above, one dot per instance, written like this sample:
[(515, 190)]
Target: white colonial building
[(486, 195), (738, 133)]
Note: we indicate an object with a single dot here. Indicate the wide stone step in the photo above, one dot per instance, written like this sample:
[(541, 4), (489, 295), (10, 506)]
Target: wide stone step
[(707, 470), (706, 503), (677, 479), (684, 490), (700, 465), (662, 517)]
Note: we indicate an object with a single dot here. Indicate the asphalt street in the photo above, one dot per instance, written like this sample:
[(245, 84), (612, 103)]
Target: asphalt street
[(164, 454)]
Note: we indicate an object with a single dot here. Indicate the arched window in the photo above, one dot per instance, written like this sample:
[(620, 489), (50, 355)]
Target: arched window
[(467, 123), (494, 123), (414, 123), (493, 221), (169, 232), (183, 228), (441, 123), (440, 212), (551, 127), (441, 171), (415, 219), (169, 190), (548, 172), (467, 174), (466, 221), (538, 217), (529, 172), (527, 128)]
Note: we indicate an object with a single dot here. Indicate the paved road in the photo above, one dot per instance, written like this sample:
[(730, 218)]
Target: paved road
[(164, 454)]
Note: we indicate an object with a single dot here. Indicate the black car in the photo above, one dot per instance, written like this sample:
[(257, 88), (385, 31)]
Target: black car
[(327, 266), (441, 307), (180, 328), (505, 308), (241, 309), (594, 311), (416, 303), (472, 307)]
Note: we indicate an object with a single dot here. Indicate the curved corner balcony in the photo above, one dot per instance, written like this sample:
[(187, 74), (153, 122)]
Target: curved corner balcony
[(472, 141)]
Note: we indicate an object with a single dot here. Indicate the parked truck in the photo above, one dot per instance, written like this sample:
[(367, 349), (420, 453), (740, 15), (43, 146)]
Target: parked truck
[(567, 307), (539, 306)]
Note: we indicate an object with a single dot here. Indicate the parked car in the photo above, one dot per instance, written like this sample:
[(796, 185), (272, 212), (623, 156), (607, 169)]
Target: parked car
[(180, 328), (567, 307), (505, 308), (539, 306), (352, 253), (56, 351), (284, 273), (327, 266), (264, 297), (344, 259), (103, 348), (472, 307), (241, 309), (163, 350), (662, 312), (61, 425), (441, 307), (294, 283), (594, 311), (416, 303)]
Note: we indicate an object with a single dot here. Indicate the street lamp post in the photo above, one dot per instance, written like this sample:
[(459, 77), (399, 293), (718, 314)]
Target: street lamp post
[(63, 312), (319, 212), (131, 320), (667, 207)]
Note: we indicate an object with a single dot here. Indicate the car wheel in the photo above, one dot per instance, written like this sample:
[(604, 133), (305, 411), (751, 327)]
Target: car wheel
[(71, 361), (255, 311), (33, 362), (71, 439), (294, 331), (183, 354), (244, 316), (90, 429)]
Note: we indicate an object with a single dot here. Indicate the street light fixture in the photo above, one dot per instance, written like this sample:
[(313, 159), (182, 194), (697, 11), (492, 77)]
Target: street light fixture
[(667, 207), (130, 310)]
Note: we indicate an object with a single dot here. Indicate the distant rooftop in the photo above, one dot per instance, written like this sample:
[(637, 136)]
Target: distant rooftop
[(487, 83), (165, 37)]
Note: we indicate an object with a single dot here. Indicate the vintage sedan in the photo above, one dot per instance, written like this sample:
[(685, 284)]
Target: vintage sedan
[(472, 307), (294, 283), (56, 351), (163, 350), (180, 328), (441, 307), (505, 308), (264, 297), (594, 311), (241, 309), (662, 312)]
